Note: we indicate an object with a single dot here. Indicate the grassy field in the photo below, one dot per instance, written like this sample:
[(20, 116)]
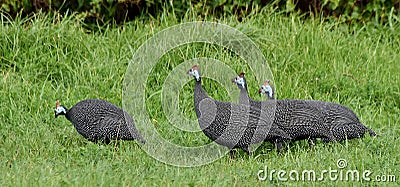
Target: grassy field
[(43, 60)]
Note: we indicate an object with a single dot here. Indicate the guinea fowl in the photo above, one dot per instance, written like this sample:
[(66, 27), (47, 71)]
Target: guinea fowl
[(256, 107), (268, 90), (99, 120), (230, 124), (311, 119)]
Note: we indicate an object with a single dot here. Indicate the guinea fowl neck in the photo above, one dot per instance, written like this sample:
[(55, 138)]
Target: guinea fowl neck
[(243, 91), (244, 96), (199, 89), (199, 92), (67, 113)]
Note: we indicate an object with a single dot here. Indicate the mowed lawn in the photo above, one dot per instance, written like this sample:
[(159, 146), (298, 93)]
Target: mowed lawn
[(44, 59)]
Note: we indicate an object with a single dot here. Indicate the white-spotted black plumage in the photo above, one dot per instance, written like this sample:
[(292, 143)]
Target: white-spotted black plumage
[(311, 119), (99, 120)]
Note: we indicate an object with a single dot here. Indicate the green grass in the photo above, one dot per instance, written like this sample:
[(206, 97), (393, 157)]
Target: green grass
[(47, 59)]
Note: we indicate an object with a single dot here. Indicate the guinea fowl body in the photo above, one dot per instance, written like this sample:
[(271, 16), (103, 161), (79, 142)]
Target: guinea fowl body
[(302, 120), (311, 119), (286, 119), (317, 119), (215, 121), (101, 120)]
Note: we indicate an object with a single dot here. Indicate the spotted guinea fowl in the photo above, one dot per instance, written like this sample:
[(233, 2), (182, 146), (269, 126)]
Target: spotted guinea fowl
[(311, 119), (99, 120), (256, 107), (229, 124), (269, 91)]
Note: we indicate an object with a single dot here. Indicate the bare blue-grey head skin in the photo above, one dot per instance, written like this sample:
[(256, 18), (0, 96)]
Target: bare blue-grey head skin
[(194, 72), (240, 81), (60, 110), (267, 89), (242, 85)]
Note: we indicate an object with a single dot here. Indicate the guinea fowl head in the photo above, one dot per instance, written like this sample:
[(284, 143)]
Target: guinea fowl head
[(194, 72), (60, 110), (266, 88), (240, 81)]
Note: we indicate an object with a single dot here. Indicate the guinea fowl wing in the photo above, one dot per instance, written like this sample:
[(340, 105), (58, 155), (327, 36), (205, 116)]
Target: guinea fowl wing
[(303, 119), (223, 122)]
